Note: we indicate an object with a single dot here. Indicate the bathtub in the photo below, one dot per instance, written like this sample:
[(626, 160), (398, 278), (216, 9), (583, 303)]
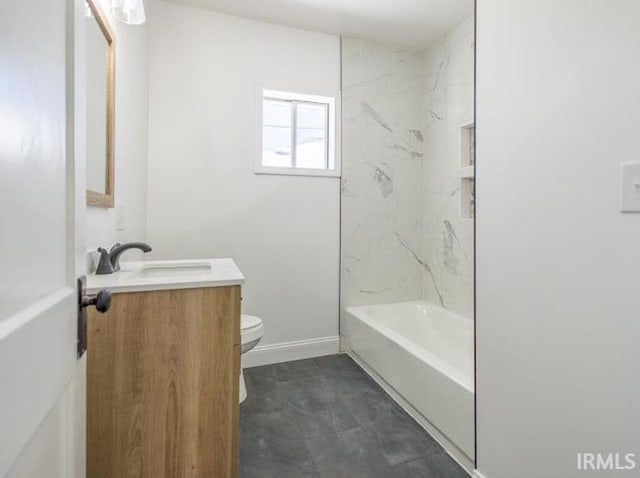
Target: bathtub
[(425, 354)]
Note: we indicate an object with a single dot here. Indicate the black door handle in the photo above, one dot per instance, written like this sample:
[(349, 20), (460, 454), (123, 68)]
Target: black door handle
[(102, 300)]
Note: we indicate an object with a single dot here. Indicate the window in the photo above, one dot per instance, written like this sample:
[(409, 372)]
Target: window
[(297, 134)]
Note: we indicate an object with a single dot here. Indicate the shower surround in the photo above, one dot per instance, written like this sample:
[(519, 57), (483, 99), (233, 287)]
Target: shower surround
[(402, 236)]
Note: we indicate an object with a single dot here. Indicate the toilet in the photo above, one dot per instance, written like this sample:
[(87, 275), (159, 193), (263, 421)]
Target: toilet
[(251, 331)]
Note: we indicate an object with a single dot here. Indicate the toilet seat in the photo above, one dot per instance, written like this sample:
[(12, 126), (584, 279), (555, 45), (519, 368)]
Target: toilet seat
[(251, 329)]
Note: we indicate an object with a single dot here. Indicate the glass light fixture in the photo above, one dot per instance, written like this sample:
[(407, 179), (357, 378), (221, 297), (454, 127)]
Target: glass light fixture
[(130, 12)]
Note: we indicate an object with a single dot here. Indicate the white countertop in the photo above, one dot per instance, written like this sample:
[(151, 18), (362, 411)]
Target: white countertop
[(188, 274)]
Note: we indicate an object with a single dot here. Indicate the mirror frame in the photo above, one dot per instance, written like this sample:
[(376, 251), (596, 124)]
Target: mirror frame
[(106, 199)]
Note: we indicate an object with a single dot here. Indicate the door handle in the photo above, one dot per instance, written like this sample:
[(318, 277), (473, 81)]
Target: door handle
[(102, 302)]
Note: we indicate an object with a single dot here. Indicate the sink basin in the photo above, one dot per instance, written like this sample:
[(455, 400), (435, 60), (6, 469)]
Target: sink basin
[(172, 270)]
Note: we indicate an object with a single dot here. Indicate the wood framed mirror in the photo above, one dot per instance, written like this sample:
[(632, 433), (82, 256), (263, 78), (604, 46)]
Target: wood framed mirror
[(100, 103)]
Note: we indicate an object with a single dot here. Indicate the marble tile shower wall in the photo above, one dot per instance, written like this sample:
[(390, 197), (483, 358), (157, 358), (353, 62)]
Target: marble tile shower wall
[(402, 238), (448, 104), (382, 108)]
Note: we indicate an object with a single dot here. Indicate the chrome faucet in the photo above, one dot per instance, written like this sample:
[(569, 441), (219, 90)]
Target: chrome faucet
[(110, 260)]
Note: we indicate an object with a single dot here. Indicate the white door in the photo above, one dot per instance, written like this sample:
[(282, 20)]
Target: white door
[(41, 380)]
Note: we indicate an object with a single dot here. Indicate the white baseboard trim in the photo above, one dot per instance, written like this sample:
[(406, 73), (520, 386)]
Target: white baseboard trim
[(477, 474), (288, 351), (453, 451)]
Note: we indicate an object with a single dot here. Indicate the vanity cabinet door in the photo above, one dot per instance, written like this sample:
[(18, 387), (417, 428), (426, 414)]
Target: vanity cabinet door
[(162, 380)]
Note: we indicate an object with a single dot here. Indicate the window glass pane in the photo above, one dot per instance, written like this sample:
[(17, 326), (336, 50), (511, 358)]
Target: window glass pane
[(276, 133), (311, 135)]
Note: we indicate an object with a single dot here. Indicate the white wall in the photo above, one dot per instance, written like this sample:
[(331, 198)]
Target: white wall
[(447, 239), (204, 199), (381, 173), (557, 264), (131, 132)]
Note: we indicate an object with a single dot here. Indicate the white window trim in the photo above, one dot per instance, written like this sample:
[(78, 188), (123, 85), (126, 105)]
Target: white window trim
[(333, 133)]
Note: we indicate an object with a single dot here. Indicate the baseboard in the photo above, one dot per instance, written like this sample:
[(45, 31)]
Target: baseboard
[(477, 474), (448, 446), (288, 351)]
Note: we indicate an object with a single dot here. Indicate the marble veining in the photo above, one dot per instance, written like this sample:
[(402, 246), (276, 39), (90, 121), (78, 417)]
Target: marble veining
[(425, 266), (435, 115), (449, 239), (417, 134), (383, 178), (408, 149), (373, 114)]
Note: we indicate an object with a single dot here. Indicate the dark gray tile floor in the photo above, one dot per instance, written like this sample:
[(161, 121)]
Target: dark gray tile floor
[(326, 418)]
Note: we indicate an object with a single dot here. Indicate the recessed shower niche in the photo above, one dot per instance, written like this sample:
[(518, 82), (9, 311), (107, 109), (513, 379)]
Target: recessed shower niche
[(467, 171)]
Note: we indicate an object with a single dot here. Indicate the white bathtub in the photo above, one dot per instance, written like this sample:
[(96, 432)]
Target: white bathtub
[(425, 353)]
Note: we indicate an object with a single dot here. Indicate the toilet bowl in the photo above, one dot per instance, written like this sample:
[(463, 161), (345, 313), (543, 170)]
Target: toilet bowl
[(251, 331)]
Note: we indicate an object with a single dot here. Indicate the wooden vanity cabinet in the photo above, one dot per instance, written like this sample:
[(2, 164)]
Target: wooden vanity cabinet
[(162, 385)]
